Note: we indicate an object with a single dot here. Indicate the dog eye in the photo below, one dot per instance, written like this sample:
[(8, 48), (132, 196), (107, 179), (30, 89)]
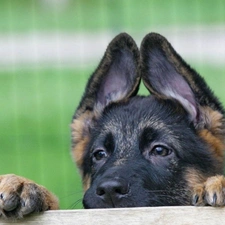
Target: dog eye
[(99, 154), (160, 151)]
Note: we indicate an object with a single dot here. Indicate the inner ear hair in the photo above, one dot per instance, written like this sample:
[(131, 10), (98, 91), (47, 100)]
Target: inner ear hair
[(167, 75)]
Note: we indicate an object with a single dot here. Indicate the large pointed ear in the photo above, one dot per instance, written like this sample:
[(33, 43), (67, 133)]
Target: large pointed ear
[(115, 79), (167, 75)]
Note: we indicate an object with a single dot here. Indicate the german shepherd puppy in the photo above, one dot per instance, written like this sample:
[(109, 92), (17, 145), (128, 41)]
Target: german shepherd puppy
[(165, 149)]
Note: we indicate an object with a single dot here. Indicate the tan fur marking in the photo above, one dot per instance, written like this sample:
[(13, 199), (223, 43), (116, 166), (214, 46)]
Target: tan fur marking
[(216, 145), (213, 132), (194, 177), (214, 121), (86, 182), (80, 136), (78, 151), (195, 181)]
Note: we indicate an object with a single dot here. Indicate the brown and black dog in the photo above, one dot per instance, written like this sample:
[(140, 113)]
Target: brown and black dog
[(165, 149)]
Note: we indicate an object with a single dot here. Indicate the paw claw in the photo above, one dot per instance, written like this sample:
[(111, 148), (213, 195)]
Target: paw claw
[(214, 200), (211, 192), (195, 200)]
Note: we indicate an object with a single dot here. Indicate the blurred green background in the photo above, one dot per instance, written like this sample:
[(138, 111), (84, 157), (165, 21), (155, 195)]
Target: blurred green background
[(48, 49)]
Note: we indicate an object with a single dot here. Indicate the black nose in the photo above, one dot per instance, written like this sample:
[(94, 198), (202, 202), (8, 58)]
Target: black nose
[(112, 190)]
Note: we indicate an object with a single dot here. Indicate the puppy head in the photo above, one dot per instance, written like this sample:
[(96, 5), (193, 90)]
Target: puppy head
[(139, 151)]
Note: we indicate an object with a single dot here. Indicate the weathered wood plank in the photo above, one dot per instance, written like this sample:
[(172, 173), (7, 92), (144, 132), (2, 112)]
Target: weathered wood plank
[(129, 216)]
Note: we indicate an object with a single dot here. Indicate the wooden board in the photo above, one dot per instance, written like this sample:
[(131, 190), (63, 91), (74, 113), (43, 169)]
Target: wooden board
[(129, 216)]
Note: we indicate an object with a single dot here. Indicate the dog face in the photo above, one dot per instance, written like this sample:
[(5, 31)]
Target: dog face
[(136, 151)]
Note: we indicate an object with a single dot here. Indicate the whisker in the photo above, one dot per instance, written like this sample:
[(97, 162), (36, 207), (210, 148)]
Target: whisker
[(73, 194), (73, 205)]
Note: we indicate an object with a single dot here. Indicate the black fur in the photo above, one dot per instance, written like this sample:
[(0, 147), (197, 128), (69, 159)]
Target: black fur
[(134, 130)]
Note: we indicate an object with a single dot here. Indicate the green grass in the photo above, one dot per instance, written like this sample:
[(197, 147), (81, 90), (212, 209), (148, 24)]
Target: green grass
[(118, 15), (36, 110)]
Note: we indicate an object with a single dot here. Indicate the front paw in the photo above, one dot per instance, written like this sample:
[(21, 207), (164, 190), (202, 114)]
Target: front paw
[(20, 197), (212, 192)]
